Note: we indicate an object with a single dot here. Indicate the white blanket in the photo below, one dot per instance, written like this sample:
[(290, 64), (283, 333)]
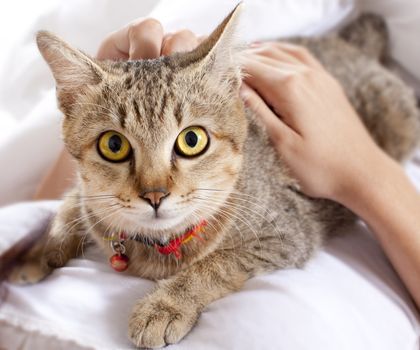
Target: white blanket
[(347, 297)]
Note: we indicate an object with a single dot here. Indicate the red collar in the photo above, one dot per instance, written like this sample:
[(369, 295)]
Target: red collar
[(119, 261), (174, 245)]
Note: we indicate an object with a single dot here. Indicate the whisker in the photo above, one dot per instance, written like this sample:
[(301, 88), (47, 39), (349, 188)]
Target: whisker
[(235, 215), (265, 209)]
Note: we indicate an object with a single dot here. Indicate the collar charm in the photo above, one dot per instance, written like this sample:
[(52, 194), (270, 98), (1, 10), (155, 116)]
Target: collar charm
[(119, 261)]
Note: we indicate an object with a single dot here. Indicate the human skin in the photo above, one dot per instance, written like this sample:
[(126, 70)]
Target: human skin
[(311, 123)]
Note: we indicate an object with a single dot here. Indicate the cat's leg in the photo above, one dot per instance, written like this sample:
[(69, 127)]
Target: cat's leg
[(63, 242), (167, 314)]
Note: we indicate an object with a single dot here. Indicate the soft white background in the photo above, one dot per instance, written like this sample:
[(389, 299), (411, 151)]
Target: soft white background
[(29, 120), (348, 297)]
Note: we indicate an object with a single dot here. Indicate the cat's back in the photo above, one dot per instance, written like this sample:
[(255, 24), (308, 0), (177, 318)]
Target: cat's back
[(386, 106), (357, 58)]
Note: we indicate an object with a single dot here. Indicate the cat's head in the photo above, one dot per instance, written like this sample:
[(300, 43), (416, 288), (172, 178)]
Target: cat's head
[(158, 142)]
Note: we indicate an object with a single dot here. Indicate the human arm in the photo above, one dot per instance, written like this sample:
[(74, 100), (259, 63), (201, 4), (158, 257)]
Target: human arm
[(312, 135)]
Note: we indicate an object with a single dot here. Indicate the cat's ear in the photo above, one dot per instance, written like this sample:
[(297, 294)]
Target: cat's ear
[(72, 69), (218, 55)]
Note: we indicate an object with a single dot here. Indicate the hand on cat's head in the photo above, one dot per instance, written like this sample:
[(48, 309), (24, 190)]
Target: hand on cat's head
[(144, 38)]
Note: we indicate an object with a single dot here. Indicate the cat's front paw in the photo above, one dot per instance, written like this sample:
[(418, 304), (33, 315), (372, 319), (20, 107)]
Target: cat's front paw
[(36, 268), (158, 321), (29, 272)]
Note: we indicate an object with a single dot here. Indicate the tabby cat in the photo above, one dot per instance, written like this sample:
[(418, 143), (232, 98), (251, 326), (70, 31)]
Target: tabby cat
[(178, 183)]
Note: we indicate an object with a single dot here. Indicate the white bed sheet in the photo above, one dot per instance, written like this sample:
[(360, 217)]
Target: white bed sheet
[(348, 297)]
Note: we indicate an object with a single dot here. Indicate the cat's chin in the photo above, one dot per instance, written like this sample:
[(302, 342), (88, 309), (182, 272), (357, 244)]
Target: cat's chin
[(162, 225), (159, 227)]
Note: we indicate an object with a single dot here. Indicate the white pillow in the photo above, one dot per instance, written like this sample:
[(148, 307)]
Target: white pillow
[(260, 19)]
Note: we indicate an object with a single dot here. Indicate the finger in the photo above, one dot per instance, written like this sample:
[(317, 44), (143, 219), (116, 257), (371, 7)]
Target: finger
[(273, 51), (181, 41), (145, 39), (263, 78), (301, 53), (278, 131), (284, 66), (115, 46)]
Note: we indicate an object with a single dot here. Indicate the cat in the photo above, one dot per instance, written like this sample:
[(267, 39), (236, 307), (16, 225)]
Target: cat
[(179, 183)]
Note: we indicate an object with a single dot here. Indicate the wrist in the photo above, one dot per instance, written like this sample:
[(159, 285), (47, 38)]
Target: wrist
[(373, 183)]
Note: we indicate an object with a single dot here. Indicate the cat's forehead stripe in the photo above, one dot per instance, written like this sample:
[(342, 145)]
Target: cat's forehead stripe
[(129, 82), (122, 114), (178, 113), (136, 109), (163, 105)]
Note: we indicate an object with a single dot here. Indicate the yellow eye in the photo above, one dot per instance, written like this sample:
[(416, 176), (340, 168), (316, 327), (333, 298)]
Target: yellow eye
[(113, 146), (192, 141)]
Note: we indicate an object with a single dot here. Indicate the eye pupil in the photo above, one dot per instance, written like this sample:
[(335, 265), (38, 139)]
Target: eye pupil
[(115, 143), (191, 139)]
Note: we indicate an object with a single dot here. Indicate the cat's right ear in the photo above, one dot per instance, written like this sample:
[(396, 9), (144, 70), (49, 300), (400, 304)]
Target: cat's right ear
[(72, 69)]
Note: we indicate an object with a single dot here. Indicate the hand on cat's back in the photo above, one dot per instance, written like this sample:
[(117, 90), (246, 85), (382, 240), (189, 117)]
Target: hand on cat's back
[(311, 122)]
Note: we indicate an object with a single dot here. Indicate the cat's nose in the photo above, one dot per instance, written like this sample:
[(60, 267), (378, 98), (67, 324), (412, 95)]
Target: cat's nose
[(155, 197)]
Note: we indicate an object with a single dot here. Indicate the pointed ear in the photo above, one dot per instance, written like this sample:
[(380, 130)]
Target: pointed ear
[(72, 69), (218, 55)]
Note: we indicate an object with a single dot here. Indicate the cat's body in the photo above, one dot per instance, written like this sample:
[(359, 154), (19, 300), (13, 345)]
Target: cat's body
[(257, 219)]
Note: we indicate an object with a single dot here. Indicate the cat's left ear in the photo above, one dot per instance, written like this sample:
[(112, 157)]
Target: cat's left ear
[(72, 69), (218, 55)]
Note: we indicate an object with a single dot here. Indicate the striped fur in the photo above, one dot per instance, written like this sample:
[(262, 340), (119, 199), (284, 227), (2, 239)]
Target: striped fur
[(258, 219)]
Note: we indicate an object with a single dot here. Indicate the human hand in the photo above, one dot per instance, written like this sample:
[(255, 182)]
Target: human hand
[(309, 120), (143, 39)]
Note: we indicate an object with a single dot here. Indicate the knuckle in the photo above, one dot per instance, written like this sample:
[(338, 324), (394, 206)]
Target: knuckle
[(147, 25), (184, 33), (291, 85), (267, 51), (170, 42), (297, 50), (109, 39), (304, 52), (133, 31), (288, 80), (151, 24), (306, 72), (182, 40)]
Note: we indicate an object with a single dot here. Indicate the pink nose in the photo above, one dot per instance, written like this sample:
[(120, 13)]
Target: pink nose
[(154, 197)]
